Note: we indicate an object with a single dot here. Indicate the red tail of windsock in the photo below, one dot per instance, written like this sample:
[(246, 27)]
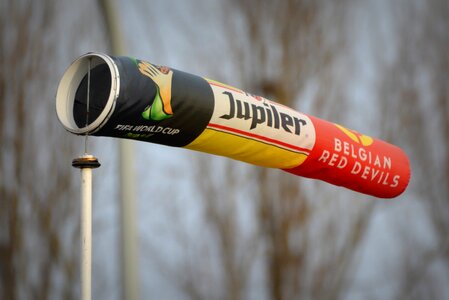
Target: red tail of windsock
[(347, 158), (134, 99)]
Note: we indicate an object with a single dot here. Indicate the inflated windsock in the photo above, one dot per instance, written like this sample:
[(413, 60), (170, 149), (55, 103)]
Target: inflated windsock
[(133, 99)]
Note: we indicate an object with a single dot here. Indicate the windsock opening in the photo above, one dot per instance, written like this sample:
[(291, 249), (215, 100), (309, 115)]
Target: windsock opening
[(71, 98)]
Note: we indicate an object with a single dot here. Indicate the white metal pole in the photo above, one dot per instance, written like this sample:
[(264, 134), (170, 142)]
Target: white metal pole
[(86, 233), (86, 163)]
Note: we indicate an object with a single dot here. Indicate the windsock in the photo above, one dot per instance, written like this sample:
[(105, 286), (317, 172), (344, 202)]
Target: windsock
[(133, 99)]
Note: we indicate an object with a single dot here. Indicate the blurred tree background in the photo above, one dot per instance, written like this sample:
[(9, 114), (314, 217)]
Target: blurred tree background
[(39, 194), (220, 229)]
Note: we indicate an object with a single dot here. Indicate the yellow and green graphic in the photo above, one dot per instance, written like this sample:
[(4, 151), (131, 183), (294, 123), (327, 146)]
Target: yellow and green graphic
[(161, 108)]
